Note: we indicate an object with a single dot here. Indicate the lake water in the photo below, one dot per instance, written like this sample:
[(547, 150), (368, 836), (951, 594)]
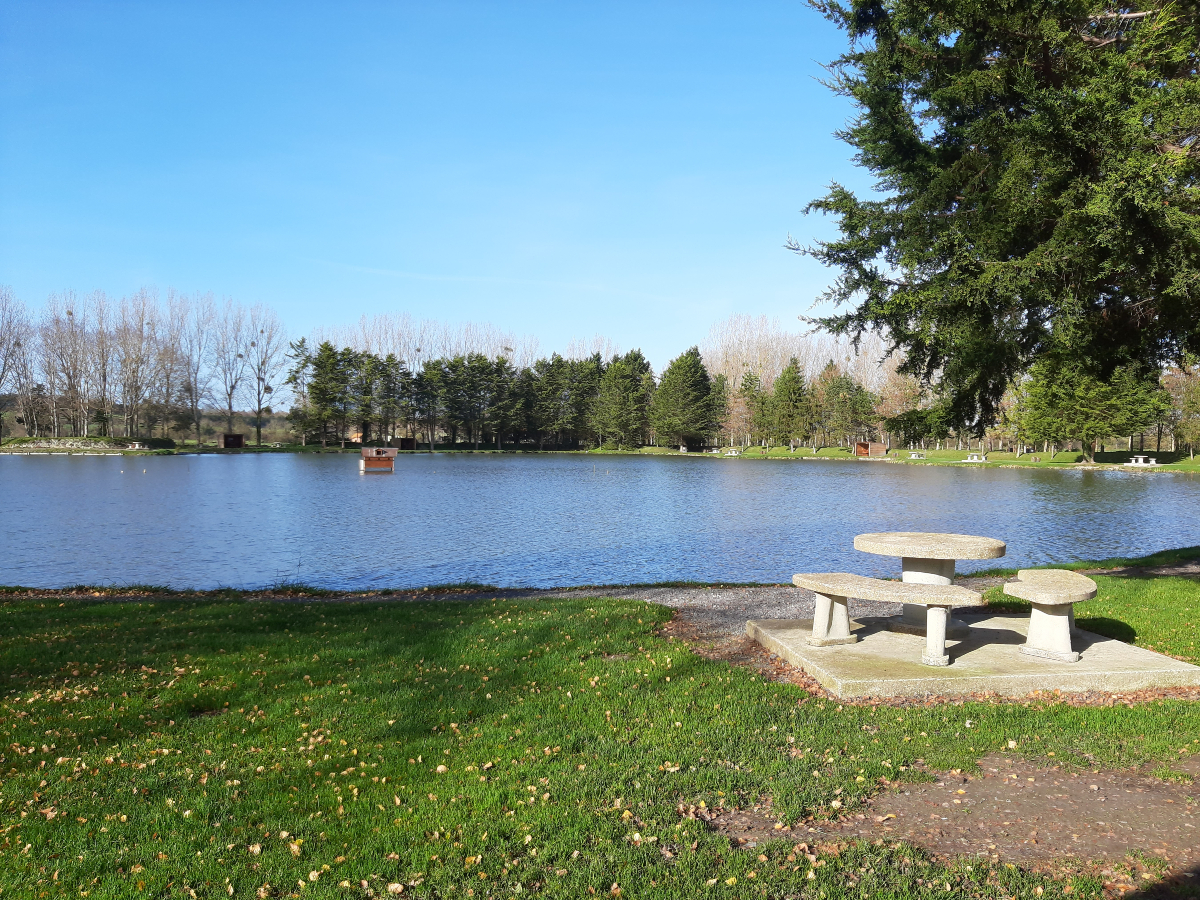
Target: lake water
[(542, 521)]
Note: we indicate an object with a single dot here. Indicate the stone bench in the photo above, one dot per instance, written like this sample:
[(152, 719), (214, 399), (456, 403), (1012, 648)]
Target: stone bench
[(1053, 594), (831, 619)]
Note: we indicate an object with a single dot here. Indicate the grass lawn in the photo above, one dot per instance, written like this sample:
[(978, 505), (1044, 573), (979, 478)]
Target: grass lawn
[(1168, 461), (213, 746)]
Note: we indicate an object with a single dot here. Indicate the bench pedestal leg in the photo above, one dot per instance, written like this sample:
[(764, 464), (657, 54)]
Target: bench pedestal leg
[(912, 617), (831, 622), (935, 636), (1050, 629)]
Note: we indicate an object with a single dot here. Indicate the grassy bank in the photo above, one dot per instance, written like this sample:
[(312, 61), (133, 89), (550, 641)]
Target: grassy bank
[(216, 745), (1168, 462), (1064, 460)]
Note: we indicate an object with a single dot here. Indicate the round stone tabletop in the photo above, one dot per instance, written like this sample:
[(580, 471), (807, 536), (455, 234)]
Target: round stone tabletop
[(928, 545)]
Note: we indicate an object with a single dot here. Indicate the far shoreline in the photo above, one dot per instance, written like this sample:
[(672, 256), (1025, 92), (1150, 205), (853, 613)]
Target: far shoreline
[(1067, 460)]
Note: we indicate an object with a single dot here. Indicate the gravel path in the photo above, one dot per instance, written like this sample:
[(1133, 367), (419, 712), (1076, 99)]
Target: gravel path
[(722, 612)]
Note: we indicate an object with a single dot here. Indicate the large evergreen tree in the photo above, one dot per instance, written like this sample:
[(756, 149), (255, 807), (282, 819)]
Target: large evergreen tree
[(553, 412), (789, 404), (758, 405), (298, 376), (682, 409), (620, 408), (1063, 401), (328, 388), (503, 413), (1037, 164)]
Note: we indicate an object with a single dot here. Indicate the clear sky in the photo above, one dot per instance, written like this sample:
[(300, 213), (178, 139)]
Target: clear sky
[(558, 169)]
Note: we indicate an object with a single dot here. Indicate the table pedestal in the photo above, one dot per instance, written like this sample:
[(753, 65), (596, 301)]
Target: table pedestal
[(914, 617), (831, 622), (1050, 630), (935, 637)]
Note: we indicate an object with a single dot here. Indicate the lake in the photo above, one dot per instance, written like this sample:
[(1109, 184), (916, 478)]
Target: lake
[(544, 520)]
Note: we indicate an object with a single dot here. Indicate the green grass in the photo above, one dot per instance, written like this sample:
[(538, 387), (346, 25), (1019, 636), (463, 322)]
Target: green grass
[(1169, 461), (200, 744), (1159, 558)]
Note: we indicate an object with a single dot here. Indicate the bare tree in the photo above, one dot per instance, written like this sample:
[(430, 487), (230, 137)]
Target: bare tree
[(265, 360), (137, 335), (24, 371), (102, 365), (66, 341), (580, 349), (229, 353), (168, 373), (45, 360), (12, 322), (400, 335), (195, 346)]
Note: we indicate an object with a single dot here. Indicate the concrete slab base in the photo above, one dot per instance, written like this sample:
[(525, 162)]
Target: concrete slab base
[(886, 663)]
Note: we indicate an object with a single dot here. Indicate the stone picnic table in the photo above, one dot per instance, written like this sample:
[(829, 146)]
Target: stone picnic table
[(928, 595), (925, 591), (928, 558)]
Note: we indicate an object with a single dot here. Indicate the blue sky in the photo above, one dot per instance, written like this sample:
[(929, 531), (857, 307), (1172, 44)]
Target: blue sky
[(557, 169)]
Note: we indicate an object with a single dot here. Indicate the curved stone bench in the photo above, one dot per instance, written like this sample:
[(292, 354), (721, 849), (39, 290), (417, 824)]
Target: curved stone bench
[(1053, 594), (831, 619)]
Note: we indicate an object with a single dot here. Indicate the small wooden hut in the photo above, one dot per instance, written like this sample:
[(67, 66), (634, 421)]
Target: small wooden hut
[(870, 448), (378, 459)]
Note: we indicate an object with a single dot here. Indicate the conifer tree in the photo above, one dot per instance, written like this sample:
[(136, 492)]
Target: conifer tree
[(789, 403), (1038, 168), (758, 402), (327, 388), (1063, 401), (682, 410)]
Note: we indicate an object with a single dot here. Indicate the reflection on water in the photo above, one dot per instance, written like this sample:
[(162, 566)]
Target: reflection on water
[(242, 520)]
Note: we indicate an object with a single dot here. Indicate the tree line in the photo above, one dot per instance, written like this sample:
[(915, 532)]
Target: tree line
[(145, 366), (136, 367), (473, 400)]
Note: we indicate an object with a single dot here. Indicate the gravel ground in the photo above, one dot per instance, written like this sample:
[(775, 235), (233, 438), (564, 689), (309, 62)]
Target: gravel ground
[(716, 612), (722, 612)]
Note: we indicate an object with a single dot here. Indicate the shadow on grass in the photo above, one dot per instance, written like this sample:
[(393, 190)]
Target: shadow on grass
[(1181, 886), (181, 664), (299, 589), (1113, 628)]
